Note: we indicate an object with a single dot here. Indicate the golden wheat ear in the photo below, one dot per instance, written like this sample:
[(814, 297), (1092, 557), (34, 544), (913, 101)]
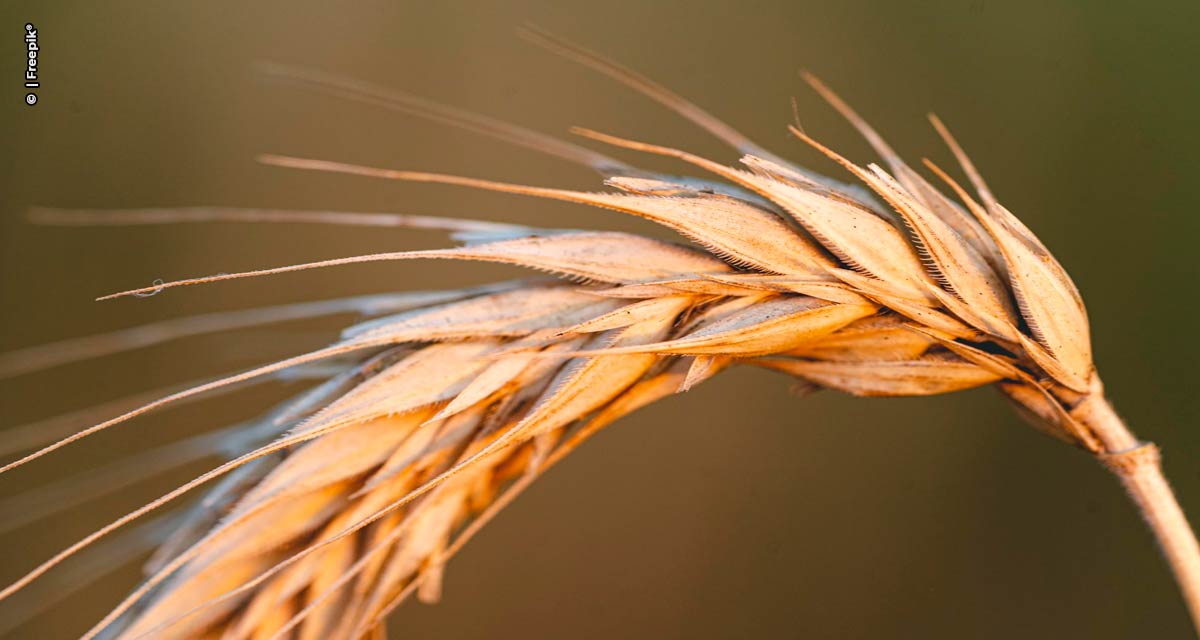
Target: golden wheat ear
[(442, 407)]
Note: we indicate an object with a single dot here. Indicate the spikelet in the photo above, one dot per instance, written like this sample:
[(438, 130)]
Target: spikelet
[(439, 410)]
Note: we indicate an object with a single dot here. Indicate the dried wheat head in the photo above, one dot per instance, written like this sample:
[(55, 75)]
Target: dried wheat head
[(434, 414)]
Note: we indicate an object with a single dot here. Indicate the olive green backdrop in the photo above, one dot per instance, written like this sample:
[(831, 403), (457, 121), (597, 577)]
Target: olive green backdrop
[(735, 510)]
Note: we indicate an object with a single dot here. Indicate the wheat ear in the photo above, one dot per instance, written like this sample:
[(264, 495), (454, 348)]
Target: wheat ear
[(441, 408)]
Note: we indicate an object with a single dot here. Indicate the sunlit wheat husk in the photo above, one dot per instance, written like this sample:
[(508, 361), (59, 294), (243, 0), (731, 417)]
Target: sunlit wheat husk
[(436, 412)]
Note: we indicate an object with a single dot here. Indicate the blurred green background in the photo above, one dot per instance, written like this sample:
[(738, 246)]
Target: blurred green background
[(736, 510)]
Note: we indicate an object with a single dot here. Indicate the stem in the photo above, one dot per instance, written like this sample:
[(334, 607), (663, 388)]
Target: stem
[(1138, 466)]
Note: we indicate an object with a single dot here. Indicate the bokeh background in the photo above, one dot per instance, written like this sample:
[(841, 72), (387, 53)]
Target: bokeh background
[(736, 510)]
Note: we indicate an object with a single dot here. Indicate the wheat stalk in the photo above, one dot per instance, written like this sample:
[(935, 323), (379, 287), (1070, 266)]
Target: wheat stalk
[(342, 503)]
